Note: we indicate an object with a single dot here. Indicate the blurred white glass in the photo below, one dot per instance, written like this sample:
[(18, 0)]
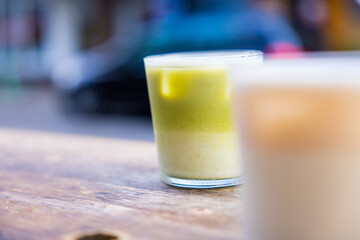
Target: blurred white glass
[(300, 133)]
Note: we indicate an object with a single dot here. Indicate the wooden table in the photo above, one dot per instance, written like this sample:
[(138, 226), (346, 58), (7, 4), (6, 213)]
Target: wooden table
[(56, 186)]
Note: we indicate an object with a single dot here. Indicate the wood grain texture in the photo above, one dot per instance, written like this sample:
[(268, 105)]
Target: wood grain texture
[(56, 186)]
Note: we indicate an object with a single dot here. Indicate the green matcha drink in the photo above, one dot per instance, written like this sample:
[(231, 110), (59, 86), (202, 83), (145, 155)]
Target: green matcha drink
[(192, 109)]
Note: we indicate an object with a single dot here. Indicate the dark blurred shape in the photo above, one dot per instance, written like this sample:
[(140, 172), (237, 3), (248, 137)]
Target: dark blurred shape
[(310, 19)]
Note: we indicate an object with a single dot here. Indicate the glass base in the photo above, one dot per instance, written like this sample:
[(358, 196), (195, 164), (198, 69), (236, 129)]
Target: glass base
[(197, 183)]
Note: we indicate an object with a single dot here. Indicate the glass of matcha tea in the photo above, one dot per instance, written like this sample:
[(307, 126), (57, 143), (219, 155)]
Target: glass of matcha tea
[(192, 110)]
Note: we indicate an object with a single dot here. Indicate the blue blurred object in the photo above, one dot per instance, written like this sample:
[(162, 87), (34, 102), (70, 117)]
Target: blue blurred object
[(205, 31)]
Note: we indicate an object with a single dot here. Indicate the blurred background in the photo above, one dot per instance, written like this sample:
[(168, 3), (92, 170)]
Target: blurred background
[(76, 66)]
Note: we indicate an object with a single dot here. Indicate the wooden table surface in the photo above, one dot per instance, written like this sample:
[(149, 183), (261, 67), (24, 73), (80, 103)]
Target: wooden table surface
[(55, 186)]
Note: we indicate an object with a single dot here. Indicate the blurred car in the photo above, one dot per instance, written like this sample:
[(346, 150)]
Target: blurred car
[(95, 81)]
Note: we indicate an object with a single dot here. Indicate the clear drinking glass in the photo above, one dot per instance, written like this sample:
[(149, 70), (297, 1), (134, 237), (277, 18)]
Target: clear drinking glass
[(192, 110), (300, 132)]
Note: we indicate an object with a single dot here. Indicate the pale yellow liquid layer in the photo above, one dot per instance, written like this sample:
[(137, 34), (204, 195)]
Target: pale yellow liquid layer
[(198, 155)]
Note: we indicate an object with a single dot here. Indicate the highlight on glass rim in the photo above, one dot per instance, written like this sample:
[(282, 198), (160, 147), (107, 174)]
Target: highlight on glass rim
[(180, 119)]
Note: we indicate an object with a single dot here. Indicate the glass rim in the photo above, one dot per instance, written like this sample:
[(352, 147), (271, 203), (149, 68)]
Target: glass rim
[(311, 70), (204, 58)]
